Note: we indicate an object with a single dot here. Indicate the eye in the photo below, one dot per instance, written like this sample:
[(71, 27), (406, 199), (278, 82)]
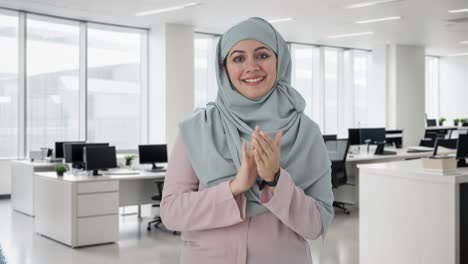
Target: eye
[(238, 59), (263, 56)]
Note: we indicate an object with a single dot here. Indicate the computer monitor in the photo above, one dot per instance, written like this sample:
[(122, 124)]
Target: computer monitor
[(462, 150), (354, 136), (152, 154), (431, 122), (372, 135), (99, 158), (59, 147), (73, 153), (446, 143)]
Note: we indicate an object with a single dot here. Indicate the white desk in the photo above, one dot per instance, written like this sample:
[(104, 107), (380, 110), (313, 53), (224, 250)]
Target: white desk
[(409, 215), (83, 210), (22, 183)]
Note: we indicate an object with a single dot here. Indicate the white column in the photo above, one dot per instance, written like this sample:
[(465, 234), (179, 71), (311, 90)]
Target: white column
[(406, 92), (171, 81)]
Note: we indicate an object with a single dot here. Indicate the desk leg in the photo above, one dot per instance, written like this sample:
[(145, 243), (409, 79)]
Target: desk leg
[(139, 211)]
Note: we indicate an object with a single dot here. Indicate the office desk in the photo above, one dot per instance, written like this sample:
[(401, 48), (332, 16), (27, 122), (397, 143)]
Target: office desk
[(411, 215), (350, 193), (22, 183), (83, 210)]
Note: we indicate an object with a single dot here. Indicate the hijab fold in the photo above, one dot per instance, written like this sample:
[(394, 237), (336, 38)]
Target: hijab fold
[(213, 135)]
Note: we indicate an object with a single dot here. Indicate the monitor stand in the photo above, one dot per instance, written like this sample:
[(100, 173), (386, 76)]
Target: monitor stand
[(96, 173), (156, 168), (461, 163)]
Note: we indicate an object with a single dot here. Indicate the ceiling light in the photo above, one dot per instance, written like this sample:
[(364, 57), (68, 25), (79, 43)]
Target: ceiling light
[(281, 20), (373, 3), (378, 20), (458, 11), (464, 42), (458, 54), (167, 9), (351, 35)]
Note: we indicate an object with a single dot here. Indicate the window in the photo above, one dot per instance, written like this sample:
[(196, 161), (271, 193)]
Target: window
[(8, 85), (52, 83), (115, 100), (206, 86), (331, 91), (432, 87), (303, 74)]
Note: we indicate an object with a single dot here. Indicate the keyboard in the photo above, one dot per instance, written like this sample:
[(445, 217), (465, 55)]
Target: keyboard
[(120, 172)]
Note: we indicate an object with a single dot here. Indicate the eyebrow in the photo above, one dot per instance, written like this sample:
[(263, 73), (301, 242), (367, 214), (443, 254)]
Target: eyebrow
[(241, 51)]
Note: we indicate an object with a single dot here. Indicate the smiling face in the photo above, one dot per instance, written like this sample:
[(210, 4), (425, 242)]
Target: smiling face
[(251, 66)]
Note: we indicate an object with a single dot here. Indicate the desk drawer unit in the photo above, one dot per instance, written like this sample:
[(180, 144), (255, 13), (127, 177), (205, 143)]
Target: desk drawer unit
[(97, 230)]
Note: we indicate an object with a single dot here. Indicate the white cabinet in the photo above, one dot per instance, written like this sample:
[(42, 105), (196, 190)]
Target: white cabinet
[(92, 217)]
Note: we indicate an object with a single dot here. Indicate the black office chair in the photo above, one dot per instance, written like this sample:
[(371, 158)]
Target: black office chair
[(446, 143), (337, 151), (157, 197), (328, 137), (430, 139)]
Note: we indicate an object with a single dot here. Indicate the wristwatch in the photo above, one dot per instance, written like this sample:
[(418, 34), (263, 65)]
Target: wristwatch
[(272, 183)]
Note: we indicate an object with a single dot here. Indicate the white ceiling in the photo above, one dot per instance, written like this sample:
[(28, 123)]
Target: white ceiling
[(424, 21)]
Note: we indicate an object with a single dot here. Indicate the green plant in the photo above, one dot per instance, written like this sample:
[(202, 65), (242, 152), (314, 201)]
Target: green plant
[(61, 169), (128, 159), (441, 121)]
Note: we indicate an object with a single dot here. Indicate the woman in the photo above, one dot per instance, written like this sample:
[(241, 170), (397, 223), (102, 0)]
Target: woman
[(256, 204)]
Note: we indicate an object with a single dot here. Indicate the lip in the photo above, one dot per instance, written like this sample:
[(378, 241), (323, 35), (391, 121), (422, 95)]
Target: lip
[(260, 80)]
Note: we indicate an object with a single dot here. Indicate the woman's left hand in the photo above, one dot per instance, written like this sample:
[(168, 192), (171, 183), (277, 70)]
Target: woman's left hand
[(266, 153)]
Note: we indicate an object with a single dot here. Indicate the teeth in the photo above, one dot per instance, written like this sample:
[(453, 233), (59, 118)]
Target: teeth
[(254, 80)]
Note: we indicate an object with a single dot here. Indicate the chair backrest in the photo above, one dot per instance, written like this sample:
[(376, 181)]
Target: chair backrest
[(328, 137), (337, 151)]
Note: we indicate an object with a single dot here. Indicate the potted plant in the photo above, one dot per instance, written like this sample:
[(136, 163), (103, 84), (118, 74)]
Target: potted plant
[(128, 159), (60, 169), (455, 121), (441, 121), (463, 120)]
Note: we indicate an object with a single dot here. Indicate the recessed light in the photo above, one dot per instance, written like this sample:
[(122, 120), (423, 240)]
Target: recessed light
[(167, 9), (458, 54), (464, 42), (373, 3), (458, 10), (351, 35), (281, 20), (378, 20)]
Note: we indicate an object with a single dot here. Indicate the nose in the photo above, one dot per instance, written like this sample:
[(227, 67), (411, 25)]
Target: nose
[(251, 65)]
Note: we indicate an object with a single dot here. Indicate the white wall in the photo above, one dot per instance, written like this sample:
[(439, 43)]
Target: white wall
[(5, 177), (376, 92), (453, 88)]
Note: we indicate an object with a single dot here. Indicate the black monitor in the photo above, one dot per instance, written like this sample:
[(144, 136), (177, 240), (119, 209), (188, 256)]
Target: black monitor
[(152, 154), (59, 147), (73, 152), (431, 122), (354, 137), (99, 158), (446, 143), (372, 135), (462, 150)]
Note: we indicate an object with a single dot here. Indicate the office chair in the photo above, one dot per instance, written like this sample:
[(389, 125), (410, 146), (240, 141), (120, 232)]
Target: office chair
[(339, 177), (430, 139), (157, 197), (328, 137), (394, 141), (446, 143)]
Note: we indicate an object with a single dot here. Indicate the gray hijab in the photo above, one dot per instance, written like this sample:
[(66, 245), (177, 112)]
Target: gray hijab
[(213, 135)]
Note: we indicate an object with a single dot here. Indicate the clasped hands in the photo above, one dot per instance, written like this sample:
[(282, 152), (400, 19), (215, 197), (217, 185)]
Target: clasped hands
[(261, 160)]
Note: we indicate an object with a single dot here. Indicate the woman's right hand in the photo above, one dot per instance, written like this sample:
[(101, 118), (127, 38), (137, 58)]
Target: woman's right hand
[(247, 174)]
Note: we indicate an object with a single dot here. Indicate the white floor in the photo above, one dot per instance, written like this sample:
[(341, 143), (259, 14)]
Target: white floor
[(21, 245)]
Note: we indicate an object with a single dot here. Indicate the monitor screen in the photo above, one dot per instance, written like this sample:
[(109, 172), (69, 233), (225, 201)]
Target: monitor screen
[(462, 146), (152, 153), (73, 152), (354, 136), (446, 143), (372, 135), (99, 157), (59, 150)]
